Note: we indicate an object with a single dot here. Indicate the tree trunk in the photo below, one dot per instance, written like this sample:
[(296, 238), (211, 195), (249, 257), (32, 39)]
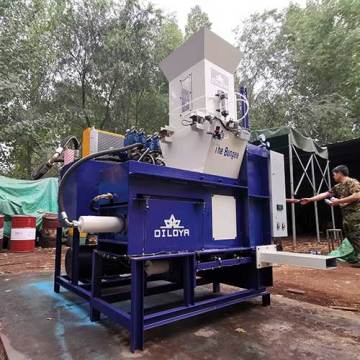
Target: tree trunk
[(83, 97), (28, 157)]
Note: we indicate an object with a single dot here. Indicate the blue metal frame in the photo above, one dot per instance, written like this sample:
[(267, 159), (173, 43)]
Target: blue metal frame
[(145, 194), (136, 321)]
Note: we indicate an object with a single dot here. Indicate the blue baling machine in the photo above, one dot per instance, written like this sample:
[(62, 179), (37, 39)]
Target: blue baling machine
[(176, 212)]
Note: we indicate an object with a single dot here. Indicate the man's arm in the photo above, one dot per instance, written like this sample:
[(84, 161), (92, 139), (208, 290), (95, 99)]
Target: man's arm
[(322, 196), (346, 200)]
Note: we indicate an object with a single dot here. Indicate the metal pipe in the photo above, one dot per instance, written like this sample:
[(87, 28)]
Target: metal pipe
[(302, 176), (315, 202), (247, 106), (143, 154), (107, 196), (291, 168), (244, 109), (331, 208)]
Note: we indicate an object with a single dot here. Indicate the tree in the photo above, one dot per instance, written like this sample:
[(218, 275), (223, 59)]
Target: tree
[(196, 20), (301, 70), (67, 65), (261, 67), (27, 58), (115, 51)]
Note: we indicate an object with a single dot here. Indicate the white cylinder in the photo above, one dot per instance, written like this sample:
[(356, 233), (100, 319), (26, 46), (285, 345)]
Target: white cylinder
[(101, 224)]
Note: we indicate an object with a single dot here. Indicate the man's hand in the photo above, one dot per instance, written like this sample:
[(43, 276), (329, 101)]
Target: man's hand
[(334, 202), (305, 201)]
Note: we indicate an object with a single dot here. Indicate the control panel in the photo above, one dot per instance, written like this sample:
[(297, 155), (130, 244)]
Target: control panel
[(278, 195)]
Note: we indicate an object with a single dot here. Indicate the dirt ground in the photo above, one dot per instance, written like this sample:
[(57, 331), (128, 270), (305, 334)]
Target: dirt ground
[(337, 287), (306, 244), (17, 263)]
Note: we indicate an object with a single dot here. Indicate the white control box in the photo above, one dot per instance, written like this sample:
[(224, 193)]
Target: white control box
[(279, 226)]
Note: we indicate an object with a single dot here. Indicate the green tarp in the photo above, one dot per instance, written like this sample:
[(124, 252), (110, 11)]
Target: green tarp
[(26, 197), (280, 137), (345, 252)]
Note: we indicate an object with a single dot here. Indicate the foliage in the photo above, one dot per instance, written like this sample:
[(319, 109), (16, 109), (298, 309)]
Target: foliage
[(302, 68), (27, 55), (70, 64), (196, 20)]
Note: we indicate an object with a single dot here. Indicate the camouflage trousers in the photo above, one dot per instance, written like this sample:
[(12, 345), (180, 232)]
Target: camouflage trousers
[(351, 226)]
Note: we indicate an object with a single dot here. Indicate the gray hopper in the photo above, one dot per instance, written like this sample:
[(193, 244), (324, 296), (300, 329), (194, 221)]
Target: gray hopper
[(202, 45)]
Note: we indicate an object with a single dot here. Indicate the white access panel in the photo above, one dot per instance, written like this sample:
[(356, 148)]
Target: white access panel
[(223, 217), (278, 195)]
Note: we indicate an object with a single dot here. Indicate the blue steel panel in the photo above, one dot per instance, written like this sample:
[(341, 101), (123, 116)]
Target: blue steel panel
[(258, 176), (115, 179), (257, 150), (259, 222), (242, 213), (172, 225), (132, 180), (183, 191), (82, 186), (258, 192), (182, 175)]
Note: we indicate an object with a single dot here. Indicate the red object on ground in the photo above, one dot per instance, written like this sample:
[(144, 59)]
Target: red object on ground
[(48, 231), (1, 230), (50, 221), (23, 233)]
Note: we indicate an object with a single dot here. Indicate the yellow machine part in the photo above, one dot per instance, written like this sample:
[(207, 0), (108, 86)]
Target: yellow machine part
[(94, 140), (86, 142)]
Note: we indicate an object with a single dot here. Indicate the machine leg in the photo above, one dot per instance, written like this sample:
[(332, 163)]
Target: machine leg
[(57, 271), (216, 287), (266, 300), (74, 257), (97, 272), (189, 280), (137, 305)]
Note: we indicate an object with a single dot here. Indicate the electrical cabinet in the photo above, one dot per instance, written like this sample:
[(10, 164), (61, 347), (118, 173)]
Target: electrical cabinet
[(279, 226)]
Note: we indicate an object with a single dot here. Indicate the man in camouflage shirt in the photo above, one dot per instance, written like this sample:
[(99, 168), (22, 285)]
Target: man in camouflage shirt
[(347, 195)]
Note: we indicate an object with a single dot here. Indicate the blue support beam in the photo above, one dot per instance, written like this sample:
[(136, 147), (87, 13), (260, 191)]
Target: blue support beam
[(137, 305), (57, 259)]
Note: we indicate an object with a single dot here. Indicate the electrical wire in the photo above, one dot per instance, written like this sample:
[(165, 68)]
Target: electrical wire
[(244, 99)]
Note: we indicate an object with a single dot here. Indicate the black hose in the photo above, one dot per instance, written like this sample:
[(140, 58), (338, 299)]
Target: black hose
[(81, 161), (67, 140), (41, 171)]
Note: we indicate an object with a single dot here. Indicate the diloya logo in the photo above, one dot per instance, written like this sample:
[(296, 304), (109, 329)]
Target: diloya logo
[(172, 228)]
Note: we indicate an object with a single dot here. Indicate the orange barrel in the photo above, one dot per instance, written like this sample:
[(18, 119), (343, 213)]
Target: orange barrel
[(23, 233), (1, 231), (48, 232)]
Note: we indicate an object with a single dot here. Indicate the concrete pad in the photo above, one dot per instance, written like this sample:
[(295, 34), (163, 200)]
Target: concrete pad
[(39, 324)]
